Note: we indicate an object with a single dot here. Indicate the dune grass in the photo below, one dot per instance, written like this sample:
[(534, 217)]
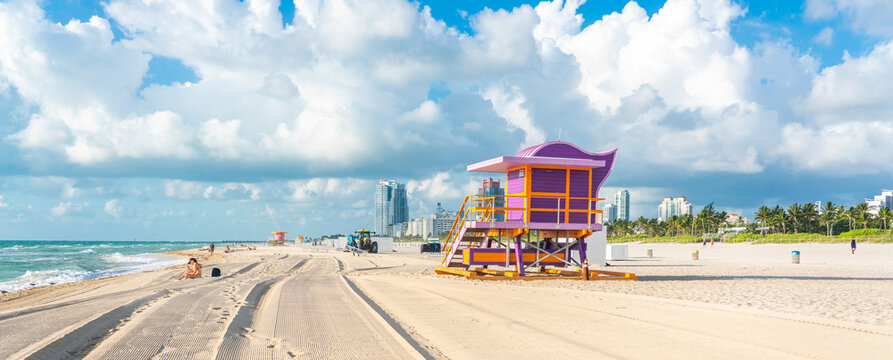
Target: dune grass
[(861, 235)]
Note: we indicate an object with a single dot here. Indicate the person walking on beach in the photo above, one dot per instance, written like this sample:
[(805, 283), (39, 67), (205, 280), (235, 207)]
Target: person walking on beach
[(211, 248), (853, 246), (193, 270)]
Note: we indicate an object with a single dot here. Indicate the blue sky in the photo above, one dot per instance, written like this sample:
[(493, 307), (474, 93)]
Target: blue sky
[(230, 119)]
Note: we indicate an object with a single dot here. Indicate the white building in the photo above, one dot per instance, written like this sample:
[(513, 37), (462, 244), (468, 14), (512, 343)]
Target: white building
[(673, 207), (609, 213), (429, 226), (885, 199), (735, 219), (621, 203)]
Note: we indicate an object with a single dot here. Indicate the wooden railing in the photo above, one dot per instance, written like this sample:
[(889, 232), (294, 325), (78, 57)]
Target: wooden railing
[(488, 213)]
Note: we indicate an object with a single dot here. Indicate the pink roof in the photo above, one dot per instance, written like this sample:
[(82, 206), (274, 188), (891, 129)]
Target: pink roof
[(504, 163), (552, 153)]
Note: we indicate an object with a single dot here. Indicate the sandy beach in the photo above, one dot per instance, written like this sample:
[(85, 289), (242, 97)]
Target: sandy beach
[(737, 301)]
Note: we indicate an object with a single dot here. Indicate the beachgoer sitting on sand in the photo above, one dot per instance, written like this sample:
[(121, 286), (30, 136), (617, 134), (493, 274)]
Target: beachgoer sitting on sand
[(227, 250), (193, 270)]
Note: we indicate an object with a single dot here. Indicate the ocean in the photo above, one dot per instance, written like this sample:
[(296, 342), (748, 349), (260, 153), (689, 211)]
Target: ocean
[(25, 264)]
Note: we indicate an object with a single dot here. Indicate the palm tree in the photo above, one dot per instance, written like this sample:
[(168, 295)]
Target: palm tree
[(719, 218), (809, 213), (885, 214), (685, 222), (794, 213), (671, 225), (779, 218), (828, 217), (763, 214), (849, 215), (706, 216), (863, 215)]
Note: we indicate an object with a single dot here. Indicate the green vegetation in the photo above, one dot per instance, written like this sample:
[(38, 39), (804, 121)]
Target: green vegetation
[(658, 239), (794, 224)]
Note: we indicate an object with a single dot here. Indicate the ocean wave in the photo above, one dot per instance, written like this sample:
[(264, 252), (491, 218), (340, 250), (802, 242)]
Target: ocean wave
[(130, 259), (50, 277), (47, 259), (88, 251), (42, 278)]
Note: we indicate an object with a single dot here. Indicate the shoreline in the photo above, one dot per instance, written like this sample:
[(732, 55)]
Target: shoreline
[(183, 255), (173, 255)]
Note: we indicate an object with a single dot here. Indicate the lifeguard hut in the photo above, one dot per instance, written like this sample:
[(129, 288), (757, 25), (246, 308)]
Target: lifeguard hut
[(538, 229), (278, 238)]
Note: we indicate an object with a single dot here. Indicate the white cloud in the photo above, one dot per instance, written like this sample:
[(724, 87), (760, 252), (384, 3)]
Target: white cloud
[(858, 89), (233, 191), (68, 208), (847, 111), (684, 52), (438, 187), (340, 96), (270, 212), (509, 104), (222, 139), (114, 208), (869, 16), (3, 204), (183, 190), (427, 112), (824, 37), (20, 218), (173, 213), (326, 188), (845, 148), (314, 95), (56, 186)]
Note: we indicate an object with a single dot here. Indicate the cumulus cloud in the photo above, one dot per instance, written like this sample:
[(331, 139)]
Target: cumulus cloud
[(64, 187), (848, 147), (173, 213), (183, 190), (233, 191), (114, 208), (824, 37), (869, 16), (69, 209), (441, 186), (853, 90), (509, 104), (310, 112), (327, 188), (427, 112), (311, 95), (849, 108)]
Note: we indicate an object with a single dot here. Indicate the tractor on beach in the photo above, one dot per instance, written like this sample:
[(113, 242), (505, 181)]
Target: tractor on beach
[(362, 241)]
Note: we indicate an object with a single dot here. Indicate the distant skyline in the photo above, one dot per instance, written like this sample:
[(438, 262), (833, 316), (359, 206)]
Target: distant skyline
[(123, 119)]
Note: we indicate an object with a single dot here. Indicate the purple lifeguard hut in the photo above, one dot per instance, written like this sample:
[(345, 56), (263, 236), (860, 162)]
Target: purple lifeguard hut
[(537, 230)]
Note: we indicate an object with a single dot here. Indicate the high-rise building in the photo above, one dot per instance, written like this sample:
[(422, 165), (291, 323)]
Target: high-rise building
[(391, 206), (884, 200), (673, 207), (491, 187), (621, 204), (609, 213), (431, 225)]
